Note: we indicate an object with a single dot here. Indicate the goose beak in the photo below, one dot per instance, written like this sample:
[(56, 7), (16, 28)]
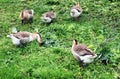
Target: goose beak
[(40, 44)]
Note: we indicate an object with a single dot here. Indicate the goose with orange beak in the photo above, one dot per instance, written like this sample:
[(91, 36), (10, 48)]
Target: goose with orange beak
[(82, 53)]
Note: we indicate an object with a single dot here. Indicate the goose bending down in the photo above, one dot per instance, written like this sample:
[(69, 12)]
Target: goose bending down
[(26, 16), (48, 17), (83, 54), (20, 38), (76, 11)]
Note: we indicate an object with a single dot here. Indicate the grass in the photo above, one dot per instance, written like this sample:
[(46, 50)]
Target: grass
[(98, 28)]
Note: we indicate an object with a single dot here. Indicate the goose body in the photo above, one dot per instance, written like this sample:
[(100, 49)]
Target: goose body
[(24, 37), (76, 11), (82, 53), (48, 17), (26, 16)]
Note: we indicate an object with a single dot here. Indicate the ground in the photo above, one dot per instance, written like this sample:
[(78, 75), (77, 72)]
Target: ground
[(98, 27)]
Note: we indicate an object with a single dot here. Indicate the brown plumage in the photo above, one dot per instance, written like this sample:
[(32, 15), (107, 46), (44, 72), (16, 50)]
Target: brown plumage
[(82, 53), (48, 17), (81, 49), (24, 37), (76, 11), (20, 35), (49, 14), (26, 16)]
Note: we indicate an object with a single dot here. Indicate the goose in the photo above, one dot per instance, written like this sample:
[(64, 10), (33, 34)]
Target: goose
[(82, 53), (26, 16), (22, 37), (48, 17), (76, 11)]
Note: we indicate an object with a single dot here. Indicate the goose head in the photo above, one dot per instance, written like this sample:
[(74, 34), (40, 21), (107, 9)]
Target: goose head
[(38, 37), (75, 42)]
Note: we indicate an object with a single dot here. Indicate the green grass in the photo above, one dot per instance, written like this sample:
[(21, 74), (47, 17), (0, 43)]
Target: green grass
[(98, 28)]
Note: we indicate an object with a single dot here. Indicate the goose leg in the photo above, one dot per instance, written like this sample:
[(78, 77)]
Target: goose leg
[(22, 22), (81, 63), (31, 20)]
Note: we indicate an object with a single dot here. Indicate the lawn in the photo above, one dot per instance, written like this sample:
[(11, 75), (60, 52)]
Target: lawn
[(98, 28)]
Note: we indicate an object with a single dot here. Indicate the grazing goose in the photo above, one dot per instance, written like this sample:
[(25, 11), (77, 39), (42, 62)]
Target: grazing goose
[(26, 16), (76, 11), (82, 53), (48, 17), (20, 38)]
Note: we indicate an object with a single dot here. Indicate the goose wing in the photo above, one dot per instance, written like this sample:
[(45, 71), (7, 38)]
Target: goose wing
[(82, 50), (21, 35)]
